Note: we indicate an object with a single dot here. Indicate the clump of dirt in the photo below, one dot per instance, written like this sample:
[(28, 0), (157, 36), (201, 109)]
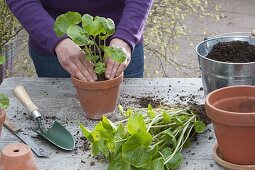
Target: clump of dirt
[(200, 111), (233, 52), (144, 101)]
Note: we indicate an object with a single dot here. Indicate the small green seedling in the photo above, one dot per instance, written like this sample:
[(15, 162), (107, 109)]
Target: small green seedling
[(90, 33)]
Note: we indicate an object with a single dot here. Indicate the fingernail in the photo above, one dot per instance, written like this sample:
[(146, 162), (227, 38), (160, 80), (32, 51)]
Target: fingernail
[(91, 80), (95, 78), (108, 76)]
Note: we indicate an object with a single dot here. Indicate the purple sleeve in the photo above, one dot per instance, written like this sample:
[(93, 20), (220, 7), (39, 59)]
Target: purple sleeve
[(37, 22), (132, 22)]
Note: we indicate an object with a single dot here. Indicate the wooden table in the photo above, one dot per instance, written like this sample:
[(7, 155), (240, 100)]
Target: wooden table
[(56, 98)]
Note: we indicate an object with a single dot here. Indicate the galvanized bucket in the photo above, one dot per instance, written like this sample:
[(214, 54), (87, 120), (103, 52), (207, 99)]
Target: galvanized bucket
[(216, 74)]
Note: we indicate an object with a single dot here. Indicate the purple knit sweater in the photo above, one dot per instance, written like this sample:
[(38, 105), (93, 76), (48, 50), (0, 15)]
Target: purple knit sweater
[(38, 17)]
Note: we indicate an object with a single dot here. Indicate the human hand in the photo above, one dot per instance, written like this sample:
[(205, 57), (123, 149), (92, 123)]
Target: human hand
[(114, 69), (72, 59)]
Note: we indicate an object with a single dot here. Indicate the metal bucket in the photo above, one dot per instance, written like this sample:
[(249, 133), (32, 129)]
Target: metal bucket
[(216, 74)]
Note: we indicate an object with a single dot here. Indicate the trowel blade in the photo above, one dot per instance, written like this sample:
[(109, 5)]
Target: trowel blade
[(59, 136)]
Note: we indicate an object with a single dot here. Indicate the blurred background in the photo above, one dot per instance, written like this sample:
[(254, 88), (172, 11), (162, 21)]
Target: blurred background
[(173, 30)]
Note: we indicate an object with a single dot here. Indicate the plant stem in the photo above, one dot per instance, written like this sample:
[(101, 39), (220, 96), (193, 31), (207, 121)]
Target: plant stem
[(99, 44), (178, 144), (153, 120)]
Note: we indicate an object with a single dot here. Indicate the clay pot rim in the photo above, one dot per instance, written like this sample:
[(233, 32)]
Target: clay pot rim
[(245, 119), (226, 88), (97, 84)]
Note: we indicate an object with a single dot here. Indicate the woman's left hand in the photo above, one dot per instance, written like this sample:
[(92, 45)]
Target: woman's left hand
[(114, 69)]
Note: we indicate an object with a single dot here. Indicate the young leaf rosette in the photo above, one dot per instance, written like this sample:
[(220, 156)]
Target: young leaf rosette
[(90, 33)]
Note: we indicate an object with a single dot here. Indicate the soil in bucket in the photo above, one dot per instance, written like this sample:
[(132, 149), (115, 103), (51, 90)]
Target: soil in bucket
[(233, 52)]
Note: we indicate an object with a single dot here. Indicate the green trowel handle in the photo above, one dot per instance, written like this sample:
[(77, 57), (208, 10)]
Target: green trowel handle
[(22, 95)]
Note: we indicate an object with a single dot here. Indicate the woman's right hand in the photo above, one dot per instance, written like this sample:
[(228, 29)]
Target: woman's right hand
[(72, 59)]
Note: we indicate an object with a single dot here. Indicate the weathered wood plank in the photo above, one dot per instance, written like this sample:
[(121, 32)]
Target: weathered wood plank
[(56, 98)]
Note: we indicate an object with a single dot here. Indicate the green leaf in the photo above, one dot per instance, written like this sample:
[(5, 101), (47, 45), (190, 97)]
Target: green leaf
[(96, 135), (166, 117), (158, 164), (137, 150), (110, 145), (151, 113), (120, 133), (89, 57), (107, 124), (4, 101), (64, 21), (100, 68), (117, 163), (85, 131), (199, 126), (187, 143), (170, 138), (136, 124), (78, 35), (2, 59), (129, 112), (86, 22), (176, 161), (166, 153), (178, 121), (103, 147), (121, 109), (94, 149), (102, 21), (115, 53), (94, 26), (109, 26), (150, 107)]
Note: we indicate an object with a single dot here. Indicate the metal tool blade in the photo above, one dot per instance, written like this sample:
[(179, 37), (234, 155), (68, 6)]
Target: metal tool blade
[(59, 136), (38, 150)]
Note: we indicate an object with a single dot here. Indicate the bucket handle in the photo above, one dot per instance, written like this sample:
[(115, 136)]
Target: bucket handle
[(250, 34)]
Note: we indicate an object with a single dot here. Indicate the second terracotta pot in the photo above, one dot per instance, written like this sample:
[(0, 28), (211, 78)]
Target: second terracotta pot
[(232, 111), (98, 98), (17, 156), (2, 119)]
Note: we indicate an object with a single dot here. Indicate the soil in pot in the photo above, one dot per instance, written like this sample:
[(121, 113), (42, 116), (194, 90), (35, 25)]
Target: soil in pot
[(233, 52)]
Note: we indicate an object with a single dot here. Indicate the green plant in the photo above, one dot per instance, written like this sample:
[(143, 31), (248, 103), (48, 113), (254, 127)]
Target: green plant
[(90, 33), (4, 101), (147, 141)]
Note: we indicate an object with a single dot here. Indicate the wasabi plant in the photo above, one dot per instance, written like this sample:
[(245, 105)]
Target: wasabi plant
[(153, 140), (4, 101), (90, 33)]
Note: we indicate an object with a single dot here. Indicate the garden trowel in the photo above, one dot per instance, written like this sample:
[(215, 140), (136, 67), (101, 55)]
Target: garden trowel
[(57, 134)]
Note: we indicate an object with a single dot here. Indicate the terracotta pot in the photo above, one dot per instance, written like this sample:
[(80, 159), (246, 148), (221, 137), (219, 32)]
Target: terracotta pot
[(232, 111), (98, 98), (17, 156), (2, 119)]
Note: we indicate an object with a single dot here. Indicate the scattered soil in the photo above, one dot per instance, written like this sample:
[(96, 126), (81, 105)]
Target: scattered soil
[(233, 52), (191, 102), (200, 110), (145, 101)]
